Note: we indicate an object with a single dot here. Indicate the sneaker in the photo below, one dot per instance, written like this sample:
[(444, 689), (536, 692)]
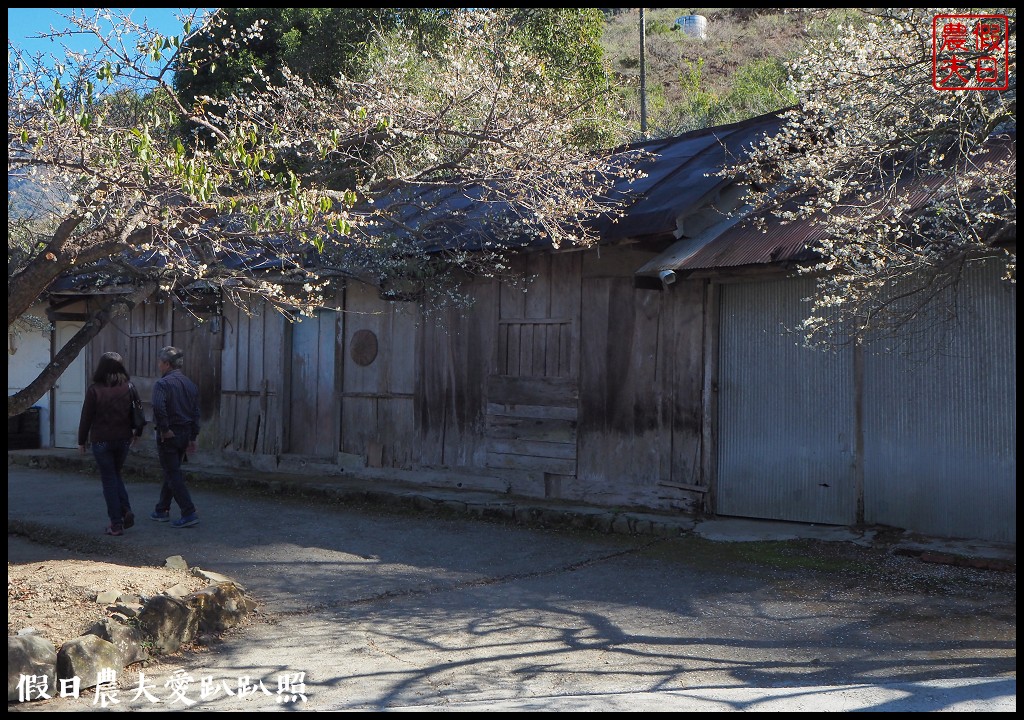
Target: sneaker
[(129, 520), (186, 521), (160, 516), (114, 530)]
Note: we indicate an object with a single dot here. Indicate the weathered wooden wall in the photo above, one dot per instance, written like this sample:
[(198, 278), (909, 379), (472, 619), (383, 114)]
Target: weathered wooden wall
[(156, 324), (533, 392), (255, 368), (580, 387), (456, 358), (640, 388), (583, 387)]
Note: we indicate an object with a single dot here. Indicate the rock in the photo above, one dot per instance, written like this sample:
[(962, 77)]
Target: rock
[(107, 597), (27, 656), (213, 577), (219, 607), (179, 590), (85, 657), (126, 611), (127, 639), (176, 562), (169, 621)]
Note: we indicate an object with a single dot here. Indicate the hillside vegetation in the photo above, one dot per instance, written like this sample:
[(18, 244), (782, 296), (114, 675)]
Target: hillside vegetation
[(736, 72)]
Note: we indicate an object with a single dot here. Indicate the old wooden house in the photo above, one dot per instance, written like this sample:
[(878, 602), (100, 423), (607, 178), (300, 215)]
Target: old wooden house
[(651, 371)]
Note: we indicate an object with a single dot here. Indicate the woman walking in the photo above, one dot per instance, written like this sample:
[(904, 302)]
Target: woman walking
[(107, 423)]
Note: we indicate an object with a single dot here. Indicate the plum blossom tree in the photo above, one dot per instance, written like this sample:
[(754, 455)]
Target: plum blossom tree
[(909, 183), (274, 195)]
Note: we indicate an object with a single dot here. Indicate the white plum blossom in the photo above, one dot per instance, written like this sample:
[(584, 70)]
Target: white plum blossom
[(909, 182), (279, 194)]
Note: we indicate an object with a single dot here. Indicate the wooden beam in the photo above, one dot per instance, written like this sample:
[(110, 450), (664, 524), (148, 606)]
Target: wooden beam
[(684, 486)]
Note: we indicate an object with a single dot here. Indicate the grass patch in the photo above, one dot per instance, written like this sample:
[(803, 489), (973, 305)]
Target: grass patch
[(769, 555)]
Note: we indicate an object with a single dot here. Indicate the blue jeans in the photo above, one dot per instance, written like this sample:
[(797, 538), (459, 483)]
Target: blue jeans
[(110, 457), (171, 451)]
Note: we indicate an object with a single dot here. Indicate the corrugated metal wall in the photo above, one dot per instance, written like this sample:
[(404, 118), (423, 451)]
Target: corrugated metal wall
[(786, 431), (940, 418), (939, 415)]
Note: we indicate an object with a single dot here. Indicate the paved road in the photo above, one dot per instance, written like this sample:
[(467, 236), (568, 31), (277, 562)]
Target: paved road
[(399, 611)]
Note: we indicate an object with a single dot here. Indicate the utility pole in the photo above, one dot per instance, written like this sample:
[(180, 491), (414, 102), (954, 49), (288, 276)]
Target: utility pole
[(643, 73)]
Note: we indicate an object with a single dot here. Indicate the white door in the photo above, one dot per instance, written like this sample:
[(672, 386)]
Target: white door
[(68, 392)]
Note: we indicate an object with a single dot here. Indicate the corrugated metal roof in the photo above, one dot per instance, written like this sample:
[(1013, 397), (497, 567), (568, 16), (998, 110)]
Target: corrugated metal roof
[(676, 198), (679, 177), (734, 243)]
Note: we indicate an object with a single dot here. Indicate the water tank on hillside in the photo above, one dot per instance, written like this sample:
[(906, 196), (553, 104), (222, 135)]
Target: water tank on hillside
[(693, 25)]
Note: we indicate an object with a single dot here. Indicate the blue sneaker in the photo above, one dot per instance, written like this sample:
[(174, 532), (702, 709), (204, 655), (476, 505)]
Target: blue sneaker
[(160, 516), (185, 521)]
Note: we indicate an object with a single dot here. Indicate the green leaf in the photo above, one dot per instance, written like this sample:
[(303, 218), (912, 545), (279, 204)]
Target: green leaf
[(24, 136)]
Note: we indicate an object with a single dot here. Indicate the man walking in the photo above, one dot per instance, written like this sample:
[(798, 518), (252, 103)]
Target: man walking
[(176, 416)]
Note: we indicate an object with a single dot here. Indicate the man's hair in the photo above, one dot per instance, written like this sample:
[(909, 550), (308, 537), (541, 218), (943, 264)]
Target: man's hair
[(172, 356)]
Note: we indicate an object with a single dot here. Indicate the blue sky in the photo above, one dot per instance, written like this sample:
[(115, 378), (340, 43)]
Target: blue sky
[(22, 23)]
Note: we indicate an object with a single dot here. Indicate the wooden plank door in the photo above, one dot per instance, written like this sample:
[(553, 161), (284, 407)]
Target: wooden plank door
[(312, 427), (380, 350)]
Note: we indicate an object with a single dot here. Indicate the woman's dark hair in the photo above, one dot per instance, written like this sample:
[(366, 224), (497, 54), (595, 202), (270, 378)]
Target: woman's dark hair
[(110, 371)]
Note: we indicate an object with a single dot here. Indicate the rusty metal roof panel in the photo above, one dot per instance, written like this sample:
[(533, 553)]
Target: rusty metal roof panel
[(744, 244), (741, 242)]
